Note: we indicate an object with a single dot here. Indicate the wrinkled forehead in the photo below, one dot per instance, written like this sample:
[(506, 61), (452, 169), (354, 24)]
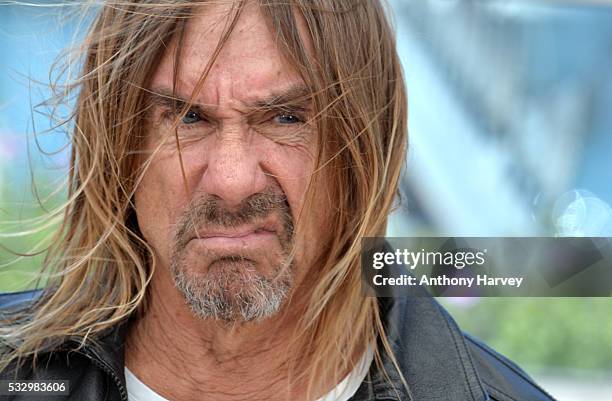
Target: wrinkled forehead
[(249, 64)]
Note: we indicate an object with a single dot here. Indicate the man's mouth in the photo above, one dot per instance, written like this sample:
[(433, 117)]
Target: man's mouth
[(235, 238), (231, 233)]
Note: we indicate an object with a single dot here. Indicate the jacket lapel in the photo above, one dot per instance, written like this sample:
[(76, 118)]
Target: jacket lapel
[(431, 352)]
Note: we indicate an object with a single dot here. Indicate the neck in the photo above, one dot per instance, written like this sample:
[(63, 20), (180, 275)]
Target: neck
[(184, 357)]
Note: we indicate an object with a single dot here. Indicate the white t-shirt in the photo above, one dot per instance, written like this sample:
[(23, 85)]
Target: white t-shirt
[(138, 391)]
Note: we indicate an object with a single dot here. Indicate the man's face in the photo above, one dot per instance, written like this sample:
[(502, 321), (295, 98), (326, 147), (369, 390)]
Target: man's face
[(224, 235)]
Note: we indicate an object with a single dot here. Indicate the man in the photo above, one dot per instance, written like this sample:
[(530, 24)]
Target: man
[(227, 159)]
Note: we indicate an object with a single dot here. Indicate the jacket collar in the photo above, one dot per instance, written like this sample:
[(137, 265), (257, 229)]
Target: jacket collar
[(431, 352)]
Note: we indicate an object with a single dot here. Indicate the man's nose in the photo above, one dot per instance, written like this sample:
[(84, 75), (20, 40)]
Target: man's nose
[(234, 170)]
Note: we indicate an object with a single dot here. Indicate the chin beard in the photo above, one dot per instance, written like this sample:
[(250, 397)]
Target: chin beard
[(232, 290), (247, 286)]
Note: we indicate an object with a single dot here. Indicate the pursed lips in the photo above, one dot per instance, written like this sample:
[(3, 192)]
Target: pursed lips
[(235, 237), (230, 234)]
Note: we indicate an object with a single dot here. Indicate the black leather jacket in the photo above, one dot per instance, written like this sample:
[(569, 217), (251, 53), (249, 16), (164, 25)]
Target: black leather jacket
[(439, 362)]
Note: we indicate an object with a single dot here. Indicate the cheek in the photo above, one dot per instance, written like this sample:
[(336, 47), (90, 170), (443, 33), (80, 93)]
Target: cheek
[(157, 199), (292, 168)]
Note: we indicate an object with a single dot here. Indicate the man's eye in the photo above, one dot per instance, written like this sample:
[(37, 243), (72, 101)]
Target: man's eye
[(286, 118), (191, 117)]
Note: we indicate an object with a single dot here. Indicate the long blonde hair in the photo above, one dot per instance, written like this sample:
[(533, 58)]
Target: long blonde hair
[(99, 266)]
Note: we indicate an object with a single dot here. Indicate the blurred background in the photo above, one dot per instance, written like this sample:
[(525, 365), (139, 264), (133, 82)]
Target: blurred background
[(510, 135)]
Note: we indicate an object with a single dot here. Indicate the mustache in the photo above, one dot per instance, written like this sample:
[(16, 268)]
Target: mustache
[(211, 211)]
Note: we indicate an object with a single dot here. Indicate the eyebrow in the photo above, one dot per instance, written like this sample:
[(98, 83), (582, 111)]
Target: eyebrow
[(296, 95)]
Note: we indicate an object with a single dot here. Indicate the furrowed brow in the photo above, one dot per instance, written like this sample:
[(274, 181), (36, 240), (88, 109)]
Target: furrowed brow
[(165, 97), (295, 95)]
